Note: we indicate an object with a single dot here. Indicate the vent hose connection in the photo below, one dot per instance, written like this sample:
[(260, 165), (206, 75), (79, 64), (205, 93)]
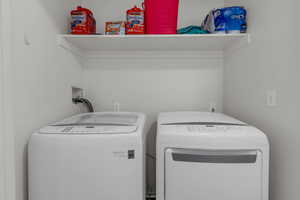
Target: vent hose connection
[(84, 101)]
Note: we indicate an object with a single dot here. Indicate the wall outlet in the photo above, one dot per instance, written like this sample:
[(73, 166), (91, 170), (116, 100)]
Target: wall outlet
[(116, 106), (272, 98), (27, 40), (212, 107)]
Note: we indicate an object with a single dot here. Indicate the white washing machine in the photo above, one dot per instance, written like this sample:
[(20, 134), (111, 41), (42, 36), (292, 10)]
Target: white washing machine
[(89, 157), (210, 156)]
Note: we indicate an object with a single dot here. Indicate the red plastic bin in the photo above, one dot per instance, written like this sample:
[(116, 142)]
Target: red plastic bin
[(161, 16)]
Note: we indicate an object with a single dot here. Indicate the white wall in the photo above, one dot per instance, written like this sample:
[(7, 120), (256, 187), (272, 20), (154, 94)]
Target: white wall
[(6, 127), (43, 73), (270, 62), (155, 85), (2, 137)]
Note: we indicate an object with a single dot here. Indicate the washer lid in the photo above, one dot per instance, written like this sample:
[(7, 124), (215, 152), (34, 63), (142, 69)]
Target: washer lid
[(87, 130), (94, 123), (197, 118), (103, 119)]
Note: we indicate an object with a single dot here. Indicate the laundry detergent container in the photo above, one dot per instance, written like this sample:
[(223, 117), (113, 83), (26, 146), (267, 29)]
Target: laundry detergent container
[(161, 16)]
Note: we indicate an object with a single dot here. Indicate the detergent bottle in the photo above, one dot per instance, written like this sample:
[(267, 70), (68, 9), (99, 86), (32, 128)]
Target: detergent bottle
[(135, 21), (82, 21)]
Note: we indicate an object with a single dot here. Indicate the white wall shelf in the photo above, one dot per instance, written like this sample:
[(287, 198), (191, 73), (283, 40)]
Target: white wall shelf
[(209, 42)]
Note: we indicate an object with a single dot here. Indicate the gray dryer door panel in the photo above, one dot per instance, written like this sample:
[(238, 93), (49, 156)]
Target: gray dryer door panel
[(213, 174)]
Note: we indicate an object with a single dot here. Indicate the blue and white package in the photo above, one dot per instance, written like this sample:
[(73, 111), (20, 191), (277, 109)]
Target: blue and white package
[(219, 21), (235, 18), (226, 20)]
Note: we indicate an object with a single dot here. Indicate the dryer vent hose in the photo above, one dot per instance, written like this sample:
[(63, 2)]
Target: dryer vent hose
[(84, 101)]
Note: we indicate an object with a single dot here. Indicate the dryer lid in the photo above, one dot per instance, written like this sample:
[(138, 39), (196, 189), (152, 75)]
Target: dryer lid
[(197, 118)]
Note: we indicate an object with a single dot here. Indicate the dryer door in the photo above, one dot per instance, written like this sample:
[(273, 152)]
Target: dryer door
[(213, 174)]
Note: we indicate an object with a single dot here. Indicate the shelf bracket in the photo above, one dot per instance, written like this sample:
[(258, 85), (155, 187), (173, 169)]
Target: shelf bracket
[(237, 45), (63, 43)]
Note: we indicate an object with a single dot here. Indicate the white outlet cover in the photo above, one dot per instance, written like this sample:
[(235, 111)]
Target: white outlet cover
[(27, 41), (116, 106), (272, 98), (212, 106)]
